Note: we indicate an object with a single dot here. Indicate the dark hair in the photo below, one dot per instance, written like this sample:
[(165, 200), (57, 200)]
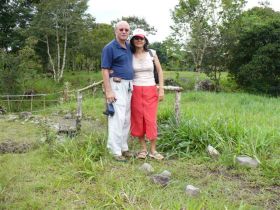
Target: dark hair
[(132, 46)]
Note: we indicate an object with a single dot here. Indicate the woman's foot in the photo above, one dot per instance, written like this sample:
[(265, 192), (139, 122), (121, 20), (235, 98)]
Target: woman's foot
[(142, 155), (156, 155)]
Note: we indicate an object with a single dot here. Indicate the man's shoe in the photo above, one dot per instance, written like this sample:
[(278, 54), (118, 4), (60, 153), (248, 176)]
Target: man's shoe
[(119, 158), (127, 154)]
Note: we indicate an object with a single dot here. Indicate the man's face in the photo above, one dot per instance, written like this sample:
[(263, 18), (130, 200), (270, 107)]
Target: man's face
[(122, 31)]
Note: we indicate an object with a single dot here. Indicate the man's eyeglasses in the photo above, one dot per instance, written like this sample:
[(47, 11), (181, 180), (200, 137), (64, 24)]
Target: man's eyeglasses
[(138, 38), (124, 29)]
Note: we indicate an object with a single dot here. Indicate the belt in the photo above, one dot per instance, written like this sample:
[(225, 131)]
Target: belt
[(117, 79)]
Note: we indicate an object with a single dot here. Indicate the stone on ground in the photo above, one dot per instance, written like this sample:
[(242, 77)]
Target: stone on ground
[(25, 115), (68, 116), (146, 168), (192, 190), (166, 173), (212, 151), (160, 179), (244, 160)]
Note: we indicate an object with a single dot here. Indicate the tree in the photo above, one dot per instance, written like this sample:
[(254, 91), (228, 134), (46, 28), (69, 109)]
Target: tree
[(161, 50), (191, 27), (198, 26), (198, 23), (87, 53), (29, 63), (53, 24), (18, 69), (9, 71), (15, 17), (254, 55), (137, 22)]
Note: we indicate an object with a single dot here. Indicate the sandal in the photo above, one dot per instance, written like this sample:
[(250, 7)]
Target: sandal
[(142, 155), (156, 156)]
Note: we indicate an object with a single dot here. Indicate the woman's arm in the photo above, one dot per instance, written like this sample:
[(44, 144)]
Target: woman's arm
[(160, 77)]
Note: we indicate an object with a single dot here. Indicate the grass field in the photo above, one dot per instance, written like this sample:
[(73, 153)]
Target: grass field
[(80, 174), (81, 79)]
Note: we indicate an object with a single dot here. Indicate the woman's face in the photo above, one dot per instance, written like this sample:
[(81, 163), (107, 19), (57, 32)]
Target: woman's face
[(139, 41)]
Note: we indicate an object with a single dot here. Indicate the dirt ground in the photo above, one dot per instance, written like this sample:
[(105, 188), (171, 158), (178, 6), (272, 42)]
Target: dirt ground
[(22, 135), (9, 146)]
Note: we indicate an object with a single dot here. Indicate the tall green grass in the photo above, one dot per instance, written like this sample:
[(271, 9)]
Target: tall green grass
[(83, 152), (78, 173), (233, 123)]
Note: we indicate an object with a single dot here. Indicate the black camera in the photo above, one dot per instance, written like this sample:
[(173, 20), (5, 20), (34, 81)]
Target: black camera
[(110, 111)]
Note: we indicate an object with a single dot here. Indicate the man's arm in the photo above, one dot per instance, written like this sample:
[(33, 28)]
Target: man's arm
[(110, 95)]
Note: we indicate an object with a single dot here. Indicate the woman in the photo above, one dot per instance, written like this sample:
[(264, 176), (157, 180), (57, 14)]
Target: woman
[(145, 95)]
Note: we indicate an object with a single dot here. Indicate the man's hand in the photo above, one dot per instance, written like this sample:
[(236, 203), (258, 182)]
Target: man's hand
[(110, 96), (109, 93)]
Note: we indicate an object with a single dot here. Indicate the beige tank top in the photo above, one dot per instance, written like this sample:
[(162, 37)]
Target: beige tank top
[(144, 70)]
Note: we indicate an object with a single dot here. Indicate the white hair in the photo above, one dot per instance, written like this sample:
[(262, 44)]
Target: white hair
[(121, 23)]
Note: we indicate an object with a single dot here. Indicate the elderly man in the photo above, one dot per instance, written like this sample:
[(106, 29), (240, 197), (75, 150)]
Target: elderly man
[(117, 73)]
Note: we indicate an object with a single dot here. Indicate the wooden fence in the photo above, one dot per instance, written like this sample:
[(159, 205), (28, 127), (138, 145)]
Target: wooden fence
[(9, 99), (42, 98), (80, 101)]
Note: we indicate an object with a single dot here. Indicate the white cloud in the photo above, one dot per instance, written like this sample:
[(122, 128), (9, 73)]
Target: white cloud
[(156, 12)]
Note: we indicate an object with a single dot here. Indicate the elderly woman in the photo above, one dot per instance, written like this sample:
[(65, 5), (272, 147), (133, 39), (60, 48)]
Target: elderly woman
[(145, 95)]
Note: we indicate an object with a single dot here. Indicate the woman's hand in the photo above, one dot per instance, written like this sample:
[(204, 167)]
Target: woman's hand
[(160, 94)]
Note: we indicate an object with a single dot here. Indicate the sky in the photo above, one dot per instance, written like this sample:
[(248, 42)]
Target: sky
[(157, 13)]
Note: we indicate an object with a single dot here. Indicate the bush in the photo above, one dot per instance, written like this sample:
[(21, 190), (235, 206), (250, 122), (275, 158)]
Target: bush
[(255, 60), (10, 74), (205, 85)]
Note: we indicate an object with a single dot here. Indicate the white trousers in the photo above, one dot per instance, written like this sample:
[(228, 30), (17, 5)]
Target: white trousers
[(119, 124)]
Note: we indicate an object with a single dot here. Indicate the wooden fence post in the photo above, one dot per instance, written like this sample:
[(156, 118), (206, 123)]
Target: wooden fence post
[(79, 111), (8, 100), (44, 102), (66, 91), (31, 103), (177, 106)]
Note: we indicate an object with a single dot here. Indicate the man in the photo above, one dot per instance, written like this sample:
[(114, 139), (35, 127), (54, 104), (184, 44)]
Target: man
[(117, 73)]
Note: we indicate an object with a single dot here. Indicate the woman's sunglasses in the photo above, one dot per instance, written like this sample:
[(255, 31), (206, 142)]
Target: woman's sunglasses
[(138, 38)]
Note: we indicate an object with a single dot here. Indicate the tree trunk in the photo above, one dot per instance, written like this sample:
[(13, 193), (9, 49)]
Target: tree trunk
[(64, 53), (51, 60), (58, 51)]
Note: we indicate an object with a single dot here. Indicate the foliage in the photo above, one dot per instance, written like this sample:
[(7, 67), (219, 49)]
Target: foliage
[(56, 22), (29, 63), (215, 61), (198, 27), (171, 55), (136, 22), (86, 55), (10, 74), (254, 62), (19, 68), (15, 17), (161, 51)]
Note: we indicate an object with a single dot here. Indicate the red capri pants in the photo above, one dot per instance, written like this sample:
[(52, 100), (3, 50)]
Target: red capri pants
[(144, 105)]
